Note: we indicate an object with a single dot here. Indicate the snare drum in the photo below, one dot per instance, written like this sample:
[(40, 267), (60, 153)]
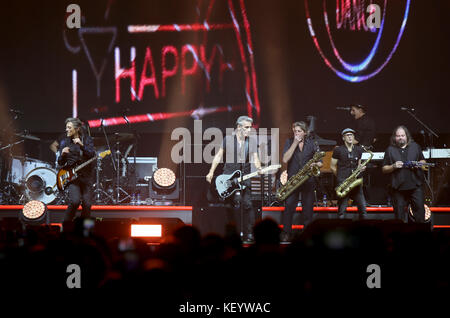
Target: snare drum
[(40, 184), (21, 166)]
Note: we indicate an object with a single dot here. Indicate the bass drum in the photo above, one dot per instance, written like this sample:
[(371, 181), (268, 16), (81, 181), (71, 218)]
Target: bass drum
[(40, 184), (22, 166)]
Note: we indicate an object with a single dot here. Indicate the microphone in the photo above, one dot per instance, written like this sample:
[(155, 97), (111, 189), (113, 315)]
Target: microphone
[(343, 108), (126, 119), (407, 109)]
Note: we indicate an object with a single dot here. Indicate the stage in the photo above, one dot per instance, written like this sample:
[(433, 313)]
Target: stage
[(203, 216)]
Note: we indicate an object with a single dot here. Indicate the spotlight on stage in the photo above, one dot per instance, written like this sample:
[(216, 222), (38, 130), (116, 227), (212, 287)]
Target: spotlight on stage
[(34, 213), (146, 230), (154, 230), (427, 213), (283, 177), (164, 187), (164, 178)]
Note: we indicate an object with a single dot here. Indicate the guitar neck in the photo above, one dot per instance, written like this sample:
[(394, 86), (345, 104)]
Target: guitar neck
[(84, 164), (250, 175), (254, 174)]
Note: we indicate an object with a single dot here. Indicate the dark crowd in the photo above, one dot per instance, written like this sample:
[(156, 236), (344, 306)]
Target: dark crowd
[(330, 257)]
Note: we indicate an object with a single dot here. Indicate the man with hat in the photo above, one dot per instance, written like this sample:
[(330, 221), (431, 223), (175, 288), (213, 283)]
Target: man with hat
[(365, 126), (344, 161)]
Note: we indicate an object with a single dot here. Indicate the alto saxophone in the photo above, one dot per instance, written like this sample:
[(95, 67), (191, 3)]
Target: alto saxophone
[(300, 177), (352, 181)]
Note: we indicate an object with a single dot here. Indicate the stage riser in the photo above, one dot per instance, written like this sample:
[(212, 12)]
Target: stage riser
[(211, 218), (436, 218), (58, 215)]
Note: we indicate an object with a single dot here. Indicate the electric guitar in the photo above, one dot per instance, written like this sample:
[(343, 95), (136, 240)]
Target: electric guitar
[(65, 176), (227, 184)]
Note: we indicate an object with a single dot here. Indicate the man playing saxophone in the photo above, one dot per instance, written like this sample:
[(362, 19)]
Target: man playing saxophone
[(346, 159), (297, 152)]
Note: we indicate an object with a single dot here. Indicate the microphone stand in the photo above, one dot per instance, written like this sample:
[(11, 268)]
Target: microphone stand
[(135, 177), (431, 133), (11, 145), (107, 143)]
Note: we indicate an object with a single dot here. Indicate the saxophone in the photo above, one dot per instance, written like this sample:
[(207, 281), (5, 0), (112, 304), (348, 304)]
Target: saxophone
[(300, 177), (352, 181)]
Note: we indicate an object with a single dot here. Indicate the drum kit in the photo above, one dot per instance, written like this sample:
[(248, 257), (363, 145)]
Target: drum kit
[(23, 178), (115, 179)]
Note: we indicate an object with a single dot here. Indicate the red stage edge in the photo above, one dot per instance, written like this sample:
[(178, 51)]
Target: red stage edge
[(440, 215)]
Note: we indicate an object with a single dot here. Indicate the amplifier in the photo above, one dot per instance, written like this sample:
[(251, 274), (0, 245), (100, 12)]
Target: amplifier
[(145, 166)]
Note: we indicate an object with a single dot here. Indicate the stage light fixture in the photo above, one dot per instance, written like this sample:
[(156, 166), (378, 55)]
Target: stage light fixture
[(164, 178), (146, 230), (427, 213), (164, 187), (283, 177), (34, 212)]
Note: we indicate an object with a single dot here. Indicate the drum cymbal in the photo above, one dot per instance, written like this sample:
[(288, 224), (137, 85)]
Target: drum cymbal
[(112, 138), (27, 136)]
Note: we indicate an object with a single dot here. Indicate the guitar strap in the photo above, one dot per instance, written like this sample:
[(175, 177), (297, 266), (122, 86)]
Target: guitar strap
[(246, 154), (81, 151), (238, 156)]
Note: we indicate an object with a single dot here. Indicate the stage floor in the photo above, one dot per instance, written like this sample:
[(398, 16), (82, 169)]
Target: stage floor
[(440, 216)]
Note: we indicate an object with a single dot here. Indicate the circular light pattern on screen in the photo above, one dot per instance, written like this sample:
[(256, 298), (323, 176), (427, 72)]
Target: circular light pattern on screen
[(355, 68)]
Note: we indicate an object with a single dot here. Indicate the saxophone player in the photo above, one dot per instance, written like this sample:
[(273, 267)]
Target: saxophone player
[(344, 161), (297, 152)]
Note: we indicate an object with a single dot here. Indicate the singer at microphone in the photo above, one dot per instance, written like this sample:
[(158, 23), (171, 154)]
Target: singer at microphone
[(365, 126)]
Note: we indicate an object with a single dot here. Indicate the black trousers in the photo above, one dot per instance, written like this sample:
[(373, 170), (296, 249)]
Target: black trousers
[(357, 195), (307, 191), (402, 198), (79, 191), (248, 212)]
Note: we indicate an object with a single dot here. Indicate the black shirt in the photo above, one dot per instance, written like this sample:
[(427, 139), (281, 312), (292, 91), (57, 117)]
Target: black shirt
[(405, 178), (347, 160), (365, 130), (299, 158), (77, 154), (236, 154)]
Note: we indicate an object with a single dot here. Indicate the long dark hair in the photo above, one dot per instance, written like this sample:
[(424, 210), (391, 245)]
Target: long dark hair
[(407, 133), (77, 124), (302, 125)]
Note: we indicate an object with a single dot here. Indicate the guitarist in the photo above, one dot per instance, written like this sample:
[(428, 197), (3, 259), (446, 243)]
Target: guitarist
[(76, 148), (240, 150)]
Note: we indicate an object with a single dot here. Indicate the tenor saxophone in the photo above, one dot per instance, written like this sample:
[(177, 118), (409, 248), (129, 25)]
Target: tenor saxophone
[(352, 181), (300, 177)]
